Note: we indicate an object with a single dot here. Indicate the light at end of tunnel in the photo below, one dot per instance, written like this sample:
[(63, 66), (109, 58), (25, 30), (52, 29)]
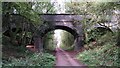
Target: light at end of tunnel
[(57, 36)]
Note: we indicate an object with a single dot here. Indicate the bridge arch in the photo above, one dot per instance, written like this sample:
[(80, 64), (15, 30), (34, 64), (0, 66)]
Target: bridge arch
[(68, 29), (78, 37), (67, 22)]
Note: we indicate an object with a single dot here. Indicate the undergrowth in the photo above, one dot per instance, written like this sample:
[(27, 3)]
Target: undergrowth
[(103, 53), (20, 56), (106, 55), (37, 59)]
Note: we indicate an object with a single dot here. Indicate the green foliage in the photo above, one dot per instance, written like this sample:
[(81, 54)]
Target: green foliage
[(49, 41), (44, 7), (37, 59), (106, 55), (97, 33), (22, 8), (29, 10), (107, 38), (91, 7), (100, 12), (67, 48), (8, 49), (20, 56), (67, 40)]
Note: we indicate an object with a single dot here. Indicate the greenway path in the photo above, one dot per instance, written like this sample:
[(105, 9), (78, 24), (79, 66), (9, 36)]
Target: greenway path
[(67, 58)]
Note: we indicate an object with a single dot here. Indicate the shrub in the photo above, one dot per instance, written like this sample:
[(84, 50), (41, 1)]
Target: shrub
[(96, 33), (37, 59), (108, 37)]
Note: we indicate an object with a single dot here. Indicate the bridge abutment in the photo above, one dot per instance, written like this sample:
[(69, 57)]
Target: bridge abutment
[(78, 43), (38, 43)]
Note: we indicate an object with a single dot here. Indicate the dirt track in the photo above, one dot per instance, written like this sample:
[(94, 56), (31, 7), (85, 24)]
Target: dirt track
[(65, 58)]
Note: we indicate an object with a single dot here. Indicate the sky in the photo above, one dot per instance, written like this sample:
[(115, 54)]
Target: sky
[(59, 6)]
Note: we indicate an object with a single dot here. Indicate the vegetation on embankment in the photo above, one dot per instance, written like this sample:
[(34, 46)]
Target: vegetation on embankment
[(36, 59), (102, 52), (19, 56), (106, 55)]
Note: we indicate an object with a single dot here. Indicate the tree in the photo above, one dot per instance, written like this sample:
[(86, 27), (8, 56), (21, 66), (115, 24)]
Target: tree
[(100, 13), (28, 11)]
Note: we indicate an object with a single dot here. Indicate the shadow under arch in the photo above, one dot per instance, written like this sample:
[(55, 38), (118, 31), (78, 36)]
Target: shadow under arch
[(68, 29)]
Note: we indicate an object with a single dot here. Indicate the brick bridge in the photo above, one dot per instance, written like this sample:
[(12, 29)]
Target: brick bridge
[(67, 22)]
